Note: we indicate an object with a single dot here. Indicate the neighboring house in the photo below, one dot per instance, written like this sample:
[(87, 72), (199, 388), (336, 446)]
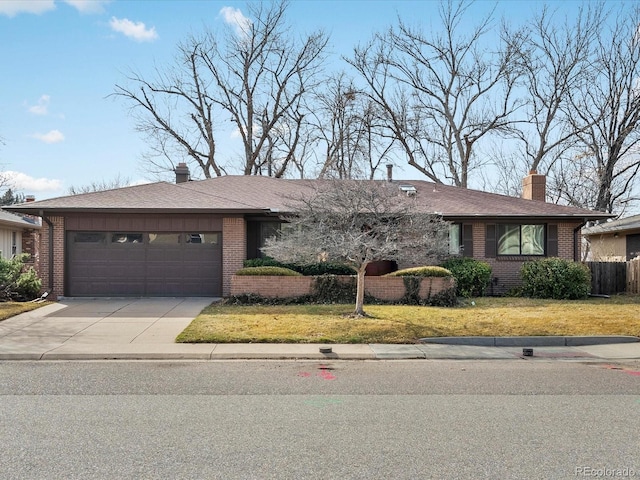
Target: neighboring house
[(189, 238), (614, 241), (18, 235)]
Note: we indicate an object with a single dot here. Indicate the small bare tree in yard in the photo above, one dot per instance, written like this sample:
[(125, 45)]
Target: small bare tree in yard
[(359, 222)]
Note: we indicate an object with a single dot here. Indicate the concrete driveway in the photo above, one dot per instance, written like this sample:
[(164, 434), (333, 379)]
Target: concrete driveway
[(88, 324)]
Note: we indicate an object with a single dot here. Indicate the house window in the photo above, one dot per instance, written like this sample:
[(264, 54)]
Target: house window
[(455, 239), (521, 239), (14, 243)]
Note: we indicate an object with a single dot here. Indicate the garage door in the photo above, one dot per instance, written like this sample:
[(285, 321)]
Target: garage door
[(144, 264)]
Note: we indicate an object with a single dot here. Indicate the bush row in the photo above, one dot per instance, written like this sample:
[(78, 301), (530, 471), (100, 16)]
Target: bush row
[(552, 278)]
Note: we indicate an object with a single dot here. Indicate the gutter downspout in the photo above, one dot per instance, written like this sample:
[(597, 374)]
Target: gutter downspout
[(575, 241), (48, 222)]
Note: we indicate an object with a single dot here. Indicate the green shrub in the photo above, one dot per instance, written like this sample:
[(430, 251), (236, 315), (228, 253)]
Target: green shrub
[(333, 289), (262, 262), (16, 281), (324, 268), (472, 276), (271, 271), (555, 278), (28, 284), (320, 268), (426, 271)]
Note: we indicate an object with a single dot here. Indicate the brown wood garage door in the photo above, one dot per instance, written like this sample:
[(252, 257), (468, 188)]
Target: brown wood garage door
[(144, 264)]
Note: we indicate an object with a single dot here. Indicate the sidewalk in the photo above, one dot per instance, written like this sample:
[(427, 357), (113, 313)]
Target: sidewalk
[(145, 329)]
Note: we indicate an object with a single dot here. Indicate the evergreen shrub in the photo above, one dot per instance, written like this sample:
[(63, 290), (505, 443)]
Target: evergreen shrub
[(472, 276)]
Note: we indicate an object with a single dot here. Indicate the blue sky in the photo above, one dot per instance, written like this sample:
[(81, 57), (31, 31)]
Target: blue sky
[(60, 59)]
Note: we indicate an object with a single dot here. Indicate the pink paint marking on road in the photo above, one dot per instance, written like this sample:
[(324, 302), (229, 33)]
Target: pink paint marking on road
[(327, 375)]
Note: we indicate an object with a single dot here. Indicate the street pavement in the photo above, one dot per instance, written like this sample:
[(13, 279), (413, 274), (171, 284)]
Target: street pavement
[(146, 328)]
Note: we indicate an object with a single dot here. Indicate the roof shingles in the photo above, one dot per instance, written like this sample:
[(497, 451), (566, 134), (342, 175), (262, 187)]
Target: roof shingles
[(257, 193)]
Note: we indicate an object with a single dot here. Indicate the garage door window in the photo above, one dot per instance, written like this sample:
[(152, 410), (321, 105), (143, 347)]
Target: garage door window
[(202, 238), (89, 237), (126, 238), (164, 238)]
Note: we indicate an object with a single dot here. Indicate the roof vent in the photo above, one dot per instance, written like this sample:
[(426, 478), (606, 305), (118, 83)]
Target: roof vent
[(410, 190)]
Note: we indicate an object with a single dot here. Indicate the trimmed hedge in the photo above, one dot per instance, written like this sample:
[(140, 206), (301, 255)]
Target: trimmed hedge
[(555, 278), (425, 271), (269, 271), (310, 270), (472, 276)]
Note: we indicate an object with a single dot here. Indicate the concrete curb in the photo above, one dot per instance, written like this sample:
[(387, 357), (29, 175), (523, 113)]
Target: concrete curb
[(537, 341)]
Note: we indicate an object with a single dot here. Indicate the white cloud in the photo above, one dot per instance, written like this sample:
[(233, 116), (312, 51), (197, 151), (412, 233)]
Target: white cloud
[(11, 8), (54, 136), (135, 30), (88, 6), (237, 20), (42, 108), (23, 182)]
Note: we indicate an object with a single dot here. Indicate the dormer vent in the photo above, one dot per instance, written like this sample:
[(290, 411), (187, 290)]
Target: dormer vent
[(410, 190)]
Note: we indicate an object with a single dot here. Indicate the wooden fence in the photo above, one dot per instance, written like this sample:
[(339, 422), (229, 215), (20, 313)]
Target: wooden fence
[(633, 276), (608, 278)]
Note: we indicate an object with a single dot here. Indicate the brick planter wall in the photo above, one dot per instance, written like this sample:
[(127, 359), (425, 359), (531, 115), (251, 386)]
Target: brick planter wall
[(383, 288), (392, 288)]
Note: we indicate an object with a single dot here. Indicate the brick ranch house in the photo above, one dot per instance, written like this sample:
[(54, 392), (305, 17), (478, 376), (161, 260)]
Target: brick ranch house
[(189, 238)]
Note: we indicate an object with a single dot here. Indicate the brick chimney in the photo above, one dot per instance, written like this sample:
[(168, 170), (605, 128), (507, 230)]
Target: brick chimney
[(182, 173), (30, 198), (534, 187), (389, 172)]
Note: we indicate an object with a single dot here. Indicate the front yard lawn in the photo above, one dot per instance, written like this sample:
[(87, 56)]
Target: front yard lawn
[(11, 309), (219, 323)]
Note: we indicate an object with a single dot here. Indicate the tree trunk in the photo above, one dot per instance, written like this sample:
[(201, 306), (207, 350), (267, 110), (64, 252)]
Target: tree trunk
[(359, 311)]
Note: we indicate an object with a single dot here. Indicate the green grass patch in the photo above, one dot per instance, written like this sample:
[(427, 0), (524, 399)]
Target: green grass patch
[(488, 316)]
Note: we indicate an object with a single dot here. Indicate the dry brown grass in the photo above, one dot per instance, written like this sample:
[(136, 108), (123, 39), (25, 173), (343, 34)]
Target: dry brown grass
[(405, 324), (11, 309)]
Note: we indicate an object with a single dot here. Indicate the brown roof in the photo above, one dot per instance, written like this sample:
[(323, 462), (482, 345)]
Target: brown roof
[(253, 194)]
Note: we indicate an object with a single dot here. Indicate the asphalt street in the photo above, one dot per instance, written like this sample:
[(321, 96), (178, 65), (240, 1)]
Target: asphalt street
[(307, 419)]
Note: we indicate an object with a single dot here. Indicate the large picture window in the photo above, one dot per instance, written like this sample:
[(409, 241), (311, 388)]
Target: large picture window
[(521, 239)]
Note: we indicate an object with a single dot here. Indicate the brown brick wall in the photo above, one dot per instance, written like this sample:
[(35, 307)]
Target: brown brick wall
[(234, 249), (31, 246), (506, 270), (58, 257), (383, 288)]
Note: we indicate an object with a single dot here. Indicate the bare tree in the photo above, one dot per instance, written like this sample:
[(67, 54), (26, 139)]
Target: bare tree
[(607, 113), (441, 92), (345, 126), (556, 60), (256, 77), (357, 222), (99, 186)]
